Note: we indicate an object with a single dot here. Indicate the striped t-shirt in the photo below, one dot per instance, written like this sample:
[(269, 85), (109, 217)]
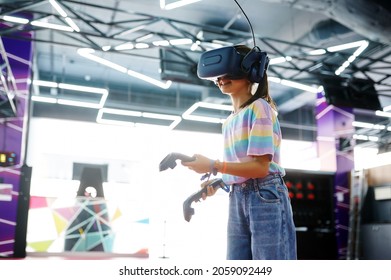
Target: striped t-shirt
[(253, 131)]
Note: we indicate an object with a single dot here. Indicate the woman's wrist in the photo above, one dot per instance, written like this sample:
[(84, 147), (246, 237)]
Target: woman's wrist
[(217, 166)]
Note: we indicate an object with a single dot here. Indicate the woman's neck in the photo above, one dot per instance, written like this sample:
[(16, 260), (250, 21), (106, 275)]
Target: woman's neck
[(239, 99)]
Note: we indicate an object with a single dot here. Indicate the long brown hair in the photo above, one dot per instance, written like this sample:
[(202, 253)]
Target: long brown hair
[(263, 87)]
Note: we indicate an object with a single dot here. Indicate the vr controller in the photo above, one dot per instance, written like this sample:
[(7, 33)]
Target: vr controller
[(228, 61), (188, 211), (170, 162)]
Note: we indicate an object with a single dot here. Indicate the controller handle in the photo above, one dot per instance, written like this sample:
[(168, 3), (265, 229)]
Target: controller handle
[(188, 211), (170, 160)]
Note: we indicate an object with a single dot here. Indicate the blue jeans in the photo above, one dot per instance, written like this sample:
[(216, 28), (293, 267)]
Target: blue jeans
[(260, 224)]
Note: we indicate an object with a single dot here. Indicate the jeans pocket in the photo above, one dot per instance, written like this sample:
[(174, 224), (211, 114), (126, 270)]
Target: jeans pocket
[(268, 194)]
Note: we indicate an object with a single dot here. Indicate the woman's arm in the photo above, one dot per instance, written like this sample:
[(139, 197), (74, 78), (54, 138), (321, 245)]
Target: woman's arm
[(257, 168)]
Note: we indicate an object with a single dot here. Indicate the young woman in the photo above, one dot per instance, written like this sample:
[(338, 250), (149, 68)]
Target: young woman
[(260, 224)]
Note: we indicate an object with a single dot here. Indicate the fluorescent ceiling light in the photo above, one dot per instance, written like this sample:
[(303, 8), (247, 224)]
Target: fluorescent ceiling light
[(88, 53), (184, 41), (294, 84), (278, 60), (188, 114), (104, 92), (145, 37), (176, 119), (79, 103), (387, 108), (72, 24), (16, 19), (61, 11), (360, 45), (317, 52), (100, 119), (163, 85), (176, 4), (45, 83), (141, 46), (58, 8), (173, 42), (383, 114), (44, 99), (346, 46), (368, 125), (70, 87), (83, 88), (51, 26), (163, 43), (121, 112), (366, 137), (195, 46), (137, 28), (124, 46), (299, 86)]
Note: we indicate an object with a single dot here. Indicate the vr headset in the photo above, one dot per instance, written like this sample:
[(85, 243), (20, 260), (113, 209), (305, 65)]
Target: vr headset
[(230, 62)]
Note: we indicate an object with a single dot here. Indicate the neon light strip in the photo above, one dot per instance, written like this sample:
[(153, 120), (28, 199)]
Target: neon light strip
[(102, 91), (188, 114), (99, 119), (176, 4), (88, 53)]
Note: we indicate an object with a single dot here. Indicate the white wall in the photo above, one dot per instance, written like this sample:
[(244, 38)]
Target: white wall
[(133, 156)]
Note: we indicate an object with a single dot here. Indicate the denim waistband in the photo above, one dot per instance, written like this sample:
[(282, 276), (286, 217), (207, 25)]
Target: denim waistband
[(256, 183)]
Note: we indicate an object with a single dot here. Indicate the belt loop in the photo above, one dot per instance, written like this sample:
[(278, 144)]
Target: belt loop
[(255, 185), (281, 179)]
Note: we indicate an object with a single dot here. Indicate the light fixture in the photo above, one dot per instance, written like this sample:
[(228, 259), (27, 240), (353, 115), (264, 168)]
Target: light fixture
[(44, 99), (175, 120), (142, 46), (365, 137), (176, 4), (137, 28), (383, 114), (317, 52), (342, 47), (387, 108), (102, 91), (368, 125), (76, 103), (188, 114), (72, 24), (360, 45), (16, 19), (182, 41), (51, 26), (58, 8), (294, 84), (122, 47), (62, 13), (173, 42), (278, 60), (88, 53), (145, 37)]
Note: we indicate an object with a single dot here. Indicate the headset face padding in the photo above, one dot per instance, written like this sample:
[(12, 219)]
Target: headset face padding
[(229, 61)]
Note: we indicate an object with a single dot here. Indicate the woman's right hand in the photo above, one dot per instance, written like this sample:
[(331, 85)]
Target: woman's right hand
[(210, 190)]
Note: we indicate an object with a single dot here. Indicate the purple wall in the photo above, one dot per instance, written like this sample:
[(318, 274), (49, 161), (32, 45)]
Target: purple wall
[(12, 138), (335, 123)]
